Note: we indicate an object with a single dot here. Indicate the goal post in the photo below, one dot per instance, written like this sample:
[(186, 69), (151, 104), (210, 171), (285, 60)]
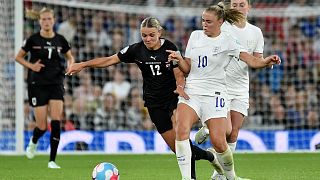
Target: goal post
[(19, 81)]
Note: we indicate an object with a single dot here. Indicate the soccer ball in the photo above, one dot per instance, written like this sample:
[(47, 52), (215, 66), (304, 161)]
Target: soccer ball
[(105, 171)]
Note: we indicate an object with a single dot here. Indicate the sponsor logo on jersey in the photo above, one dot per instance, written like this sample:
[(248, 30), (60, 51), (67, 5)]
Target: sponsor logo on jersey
[(36, 47), (48, 43)]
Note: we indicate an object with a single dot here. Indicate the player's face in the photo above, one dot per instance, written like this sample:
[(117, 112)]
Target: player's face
[(240, 5), (150, 37), (211, 24), (46, 21)]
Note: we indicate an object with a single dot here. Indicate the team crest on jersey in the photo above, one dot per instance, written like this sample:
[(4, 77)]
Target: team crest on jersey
[(59, 49), (34, 101), (216, 49), (124, 50), (168, 65)]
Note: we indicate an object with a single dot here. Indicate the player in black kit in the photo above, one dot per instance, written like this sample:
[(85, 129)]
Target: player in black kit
[(161, 79), (45, 80)]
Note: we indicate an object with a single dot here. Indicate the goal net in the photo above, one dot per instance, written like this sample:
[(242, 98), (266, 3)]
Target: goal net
[(104, 108)]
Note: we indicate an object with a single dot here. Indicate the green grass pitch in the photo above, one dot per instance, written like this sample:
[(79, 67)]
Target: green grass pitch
[(269, 166)]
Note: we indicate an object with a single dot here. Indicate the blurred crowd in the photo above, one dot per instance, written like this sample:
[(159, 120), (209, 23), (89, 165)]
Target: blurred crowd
[(284, 97), (201, 3)]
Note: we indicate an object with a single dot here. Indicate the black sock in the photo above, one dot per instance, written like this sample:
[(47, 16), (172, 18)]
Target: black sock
[(202, 154), (193, 162), (37, 134), (54, 139)]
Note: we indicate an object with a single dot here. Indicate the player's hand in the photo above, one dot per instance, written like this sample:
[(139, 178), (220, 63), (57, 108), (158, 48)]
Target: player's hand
[(180, 92), (273, 59), (74, 68), (174, 56), (37, 66)]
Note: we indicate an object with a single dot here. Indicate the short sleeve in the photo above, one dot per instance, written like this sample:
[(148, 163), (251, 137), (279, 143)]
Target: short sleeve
[(235, 48), (26, 45), (65, 45), (260, 42), (126, 54), (189, 45)]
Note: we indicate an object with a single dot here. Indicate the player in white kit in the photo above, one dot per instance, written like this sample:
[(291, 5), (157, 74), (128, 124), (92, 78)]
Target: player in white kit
[(208, 53), (251, 38)]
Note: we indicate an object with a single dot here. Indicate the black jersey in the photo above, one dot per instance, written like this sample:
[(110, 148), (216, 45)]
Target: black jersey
[(50, 51), (158, 77)]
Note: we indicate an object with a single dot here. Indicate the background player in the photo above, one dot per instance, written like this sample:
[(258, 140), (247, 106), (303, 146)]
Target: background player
[(46, 69)]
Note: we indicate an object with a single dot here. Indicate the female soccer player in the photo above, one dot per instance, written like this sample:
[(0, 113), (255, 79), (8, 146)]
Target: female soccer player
[(160, 79), (251, 38), (45, 80), (207, 55)]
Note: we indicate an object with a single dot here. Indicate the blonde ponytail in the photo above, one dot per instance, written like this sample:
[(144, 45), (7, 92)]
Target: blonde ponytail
[(35, 15), (224, 12)]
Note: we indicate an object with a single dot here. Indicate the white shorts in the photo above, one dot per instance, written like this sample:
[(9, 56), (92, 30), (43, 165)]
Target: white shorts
[(208, 107), (239, 105)]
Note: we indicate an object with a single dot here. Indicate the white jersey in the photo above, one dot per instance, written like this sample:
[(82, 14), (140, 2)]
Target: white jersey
[(251, 38), (209, 59)]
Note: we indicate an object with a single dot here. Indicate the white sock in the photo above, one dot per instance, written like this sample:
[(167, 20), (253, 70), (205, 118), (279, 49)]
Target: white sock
[(183, 153), (226, 161), (233, 146)]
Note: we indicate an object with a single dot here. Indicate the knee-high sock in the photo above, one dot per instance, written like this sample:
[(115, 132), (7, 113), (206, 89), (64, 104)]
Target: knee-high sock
[(233, 146), (183, 153), (193, 161), (37, 134), (54, 139), (226, 161)]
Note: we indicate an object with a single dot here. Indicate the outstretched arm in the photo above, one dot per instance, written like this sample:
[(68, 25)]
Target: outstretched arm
[(96, 63), (256, 62)]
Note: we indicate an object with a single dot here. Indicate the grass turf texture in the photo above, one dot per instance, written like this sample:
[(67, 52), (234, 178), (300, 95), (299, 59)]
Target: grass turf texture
[(291, 166)]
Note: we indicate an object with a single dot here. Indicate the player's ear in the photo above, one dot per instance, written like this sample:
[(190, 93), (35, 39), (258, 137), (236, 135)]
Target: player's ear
[(161, 31)]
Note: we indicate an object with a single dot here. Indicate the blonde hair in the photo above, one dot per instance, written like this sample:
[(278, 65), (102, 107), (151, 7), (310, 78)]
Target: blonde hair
[(35, 15), (230, 15), (151, 22)]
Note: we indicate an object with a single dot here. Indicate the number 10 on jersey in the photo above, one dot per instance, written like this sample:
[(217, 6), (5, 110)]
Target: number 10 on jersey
[(202, 61)]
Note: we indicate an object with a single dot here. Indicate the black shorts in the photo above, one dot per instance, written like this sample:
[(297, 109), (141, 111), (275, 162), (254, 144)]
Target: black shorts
[(40, 95), (161, 116)]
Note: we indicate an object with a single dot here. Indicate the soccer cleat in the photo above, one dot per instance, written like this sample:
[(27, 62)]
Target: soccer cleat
[(53, 165), (215, 163), (31, 149), (218, 177), (202, 135), (215, 175)]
